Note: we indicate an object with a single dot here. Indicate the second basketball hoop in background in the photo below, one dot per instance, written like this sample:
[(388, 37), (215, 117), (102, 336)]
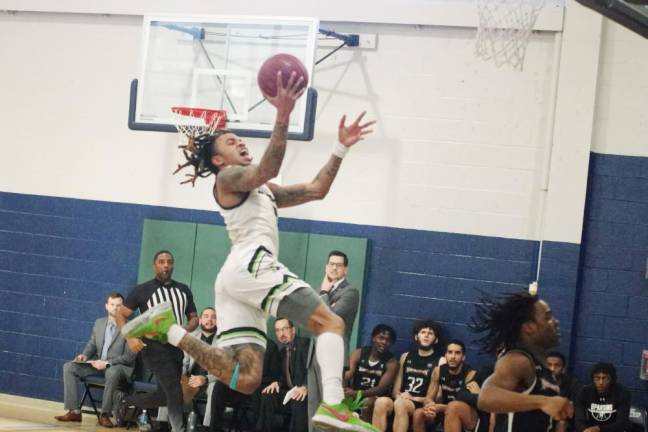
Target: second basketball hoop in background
[(286, 63)]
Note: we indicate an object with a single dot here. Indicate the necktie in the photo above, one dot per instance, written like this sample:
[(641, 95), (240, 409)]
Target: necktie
[(287, 366), (110, 330)]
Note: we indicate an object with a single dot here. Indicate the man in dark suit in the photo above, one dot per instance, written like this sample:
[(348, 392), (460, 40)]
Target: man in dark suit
[(291, 386), (107, 354), (343, 300)]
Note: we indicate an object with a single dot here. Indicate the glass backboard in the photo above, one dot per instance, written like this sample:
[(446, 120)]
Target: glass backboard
[(212, 62)]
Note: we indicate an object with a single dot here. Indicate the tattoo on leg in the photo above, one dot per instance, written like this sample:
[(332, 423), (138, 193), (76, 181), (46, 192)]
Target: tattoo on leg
[(217, 361), (220, 362)]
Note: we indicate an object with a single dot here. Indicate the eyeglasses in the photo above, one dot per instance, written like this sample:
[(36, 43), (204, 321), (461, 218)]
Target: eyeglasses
[(336, 265)]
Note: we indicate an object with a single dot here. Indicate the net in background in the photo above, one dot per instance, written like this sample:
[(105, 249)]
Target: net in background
[(504, 30)]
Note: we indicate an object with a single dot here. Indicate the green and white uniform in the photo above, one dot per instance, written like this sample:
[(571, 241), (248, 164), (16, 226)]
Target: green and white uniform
[(252, 281)]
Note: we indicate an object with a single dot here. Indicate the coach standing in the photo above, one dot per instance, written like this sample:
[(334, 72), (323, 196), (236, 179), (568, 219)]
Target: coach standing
[(164, 360)]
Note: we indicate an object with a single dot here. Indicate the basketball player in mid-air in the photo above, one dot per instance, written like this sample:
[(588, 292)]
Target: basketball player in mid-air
[(252, 282), (520, 328)]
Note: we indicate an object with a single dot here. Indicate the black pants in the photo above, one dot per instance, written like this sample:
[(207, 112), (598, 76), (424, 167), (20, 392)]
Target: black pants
[(271, 404), (222, 397), (165, 361)]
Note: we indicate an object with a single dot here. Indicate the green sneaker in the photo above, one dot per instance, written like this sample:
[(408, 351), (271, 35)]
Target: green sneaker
[(152, 324), (340, 418), (357, 403)]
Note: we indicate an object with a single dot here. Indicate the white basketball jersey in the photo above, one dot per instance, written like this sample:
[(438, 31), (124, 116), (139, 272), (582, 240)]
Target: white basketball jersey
[(253, 222)]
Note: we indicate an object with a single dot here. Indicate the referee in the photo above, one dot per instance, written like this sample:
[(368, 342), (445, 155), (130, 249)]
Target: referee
[(164, 360)]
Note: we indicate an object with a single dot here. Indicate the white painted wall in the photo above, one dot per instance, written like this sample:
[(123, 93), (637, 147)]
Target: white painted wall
[(621, 122), (460, 145)]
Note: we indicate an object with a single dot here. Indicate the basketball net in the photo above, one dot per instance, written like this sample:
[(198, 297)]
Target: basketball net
[(193, 122), (504, 30)]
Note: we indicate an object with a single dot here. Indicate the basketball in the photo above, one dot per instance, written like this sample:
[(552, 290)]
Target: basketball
[(286, 63)]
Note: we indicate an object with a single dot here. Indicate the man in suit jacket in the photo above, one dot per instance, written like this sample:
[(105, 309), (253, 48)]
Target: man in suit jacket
[(343, 299), (292, 384), (106, 354)]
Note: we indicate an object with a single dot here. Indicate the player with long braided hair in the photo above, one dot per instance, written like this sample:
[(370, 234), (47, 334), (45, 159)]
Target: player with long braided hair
[(520, 328), (252, 282)]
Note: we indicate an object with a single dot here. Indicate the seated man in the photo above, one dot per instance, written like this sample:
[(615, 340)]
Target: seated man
[(604, 405), (196, 382), (557, 364), (107, 354), (412, 382), (198, 377), (293, 381), (449, 380), (372, 369)]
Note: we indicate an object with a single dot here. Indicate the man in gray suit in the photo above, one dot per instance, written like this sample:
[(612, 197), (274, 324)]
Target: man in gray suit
[(343, 299), (107, 354)]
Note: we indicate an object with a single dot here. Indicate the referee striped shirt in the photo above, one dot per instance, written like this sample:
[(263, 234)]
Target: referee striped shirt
[(154, 292)]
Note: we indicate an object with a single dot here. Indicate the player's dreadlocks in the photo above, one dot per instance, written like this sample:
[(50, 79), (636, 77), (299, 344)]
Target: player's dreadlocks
[(501, 318), (199, 151)]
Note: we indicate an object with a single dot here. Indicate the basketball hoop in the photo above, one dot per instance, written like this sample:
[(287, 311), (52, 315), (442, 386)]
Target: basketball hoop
[(193, 122), (504, 30)]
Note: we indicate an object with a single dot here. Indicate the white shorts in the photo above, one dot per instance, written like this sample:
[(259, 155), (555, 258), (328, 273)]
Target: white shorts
[(249, 287)]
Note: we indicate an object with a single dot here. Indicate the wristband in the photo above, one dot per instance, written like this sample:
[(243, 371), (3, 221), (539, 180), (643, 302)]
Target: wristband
[(340, 150)]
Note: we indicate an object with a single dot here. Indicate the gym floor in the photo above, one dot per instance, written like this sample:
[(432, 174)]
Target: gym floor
[(35, 415)]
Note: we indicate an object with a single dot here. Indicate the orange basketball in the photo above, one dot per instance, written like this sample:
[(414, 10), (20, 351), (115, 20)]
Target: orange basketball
[(286, 63)]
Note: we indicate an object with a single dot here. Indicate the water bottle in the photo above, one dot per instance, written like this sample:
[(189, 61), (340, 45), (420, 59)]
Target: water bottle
[(192, 422), (143, 422)]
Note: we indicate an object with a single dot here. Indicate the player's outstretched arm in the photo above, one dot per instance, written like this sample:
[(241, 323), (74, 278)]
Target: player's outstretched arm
[(318, 188), (246, 178)]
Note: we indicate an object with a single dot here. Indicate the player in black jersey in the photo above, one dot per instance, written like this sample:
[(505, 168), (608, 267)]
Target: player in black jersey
[(522, 391), (373, 369), (449, 379), (412, 382)]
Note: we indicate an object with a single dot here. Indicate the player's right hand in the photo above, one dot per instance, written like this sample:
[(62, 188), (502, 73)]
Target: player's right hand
[(272, 388), (558, 407), (136, 345), (430, 410), (80, 358), (286, 96)]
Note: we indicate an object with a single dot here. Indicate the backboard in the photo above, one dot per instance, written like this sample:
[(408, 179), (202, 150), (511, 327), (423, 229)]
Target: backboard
[(211, 61), (632, 14)]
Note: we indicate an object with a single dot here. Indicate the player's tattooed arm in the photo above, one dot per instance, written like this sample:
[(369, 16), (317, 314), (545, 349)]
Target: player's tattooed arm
[(348, 136), (221, 362), (287, 196)]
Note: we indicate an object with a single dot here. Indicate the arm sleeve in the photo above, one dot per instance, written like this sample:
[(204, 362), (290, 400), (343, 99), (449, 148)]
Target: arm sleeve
[(467, 397), (127, 358), (132, 300), (272, 364), (346, 306), (191, 306), (90, 349)]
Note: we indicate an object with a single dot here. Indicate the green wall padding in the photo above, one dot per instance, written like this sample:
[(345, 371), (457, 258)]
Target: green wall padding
[(212, 246), (176, 237)]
